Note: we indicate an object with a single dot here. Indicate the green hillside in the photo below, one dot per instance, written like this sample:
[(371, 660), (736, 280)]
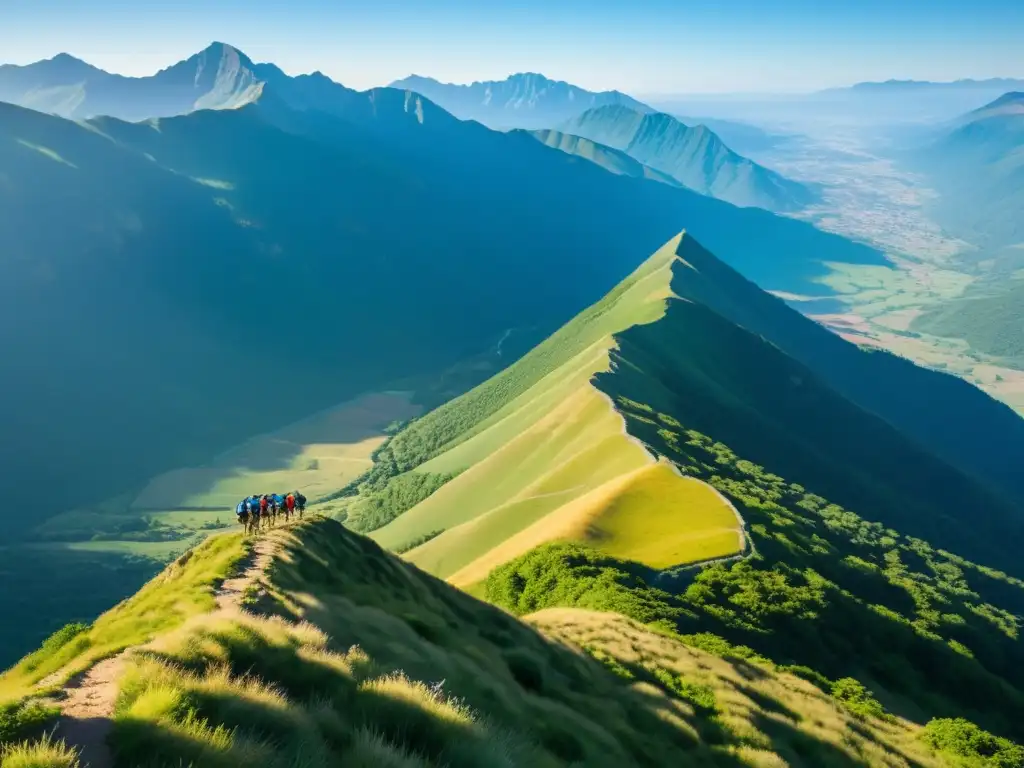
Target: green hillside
[(992, 322), (539, 454), (856, 536), (693, 156), (527, 446), (343, 654)]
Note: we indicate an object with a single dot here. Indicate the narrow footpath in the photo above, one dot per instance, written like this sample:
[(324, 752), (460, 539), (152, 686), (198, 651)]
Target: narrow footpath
[(87, 700)]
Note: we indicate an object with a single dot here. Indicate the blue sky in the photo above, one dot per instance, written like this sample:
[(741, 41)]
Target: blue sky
[(641, 46)]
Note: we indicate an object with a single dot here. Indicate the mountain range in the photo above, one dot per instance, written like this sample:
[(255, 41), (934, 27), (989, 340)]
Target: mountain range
[(994, 83), (525, 100), (392, 201), (215, 78), (693, 156)]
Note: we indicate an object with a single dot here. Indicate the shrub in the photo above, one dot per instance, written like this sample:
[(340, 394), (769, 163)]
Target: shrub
[(857, 699), (964, 739), (19, 719)]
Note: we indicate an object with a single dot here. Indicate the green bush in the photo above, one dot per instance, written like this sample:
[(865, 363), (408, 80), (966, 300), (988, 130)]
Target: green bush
[(21, 719), (857, 699), (964, 739)]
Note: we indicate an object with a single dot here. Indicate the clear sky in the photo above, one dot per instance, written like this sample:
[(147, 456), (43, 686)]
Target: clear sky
[(641, 46)]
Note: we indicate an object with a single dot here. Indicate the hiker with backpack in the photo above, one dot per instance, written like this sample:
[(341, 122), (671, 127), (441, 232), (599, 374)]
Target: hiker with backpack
[(253, 506), (278, 501), (261, 510), (264, 509), (242, 513)]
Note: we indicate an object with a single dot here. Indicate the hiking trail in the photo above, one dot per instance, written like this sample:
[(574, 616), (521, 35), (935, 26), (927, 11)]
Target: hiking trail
[(87, 700)]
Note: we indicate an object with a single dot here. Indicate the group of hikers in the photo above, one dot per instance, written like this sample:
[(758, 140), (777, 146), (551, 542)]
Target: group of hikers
[(261, 510)]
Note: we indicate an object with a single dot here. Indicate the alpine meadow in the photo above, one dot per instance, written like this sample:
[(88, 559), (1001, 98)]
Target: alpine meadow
[(662, 409)]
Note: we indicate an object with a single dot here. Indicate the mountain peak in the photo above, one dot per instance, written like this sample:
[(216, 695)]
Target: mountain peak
[(217, 51), (66, 64)]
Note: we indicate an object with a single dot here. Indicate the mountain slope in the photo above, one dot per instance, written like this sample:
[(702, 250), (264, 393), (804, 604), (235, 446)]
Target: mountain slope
[(979, 170), (857, 535), (349, 655), (992, 322), (517, 415), (218, 77), (554, 459), (610, 159), (525, 100), (695, 157)]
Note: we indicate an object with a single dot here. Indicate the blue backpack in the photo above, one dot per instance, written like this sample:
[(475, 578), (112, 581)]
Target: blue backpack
[(241, 509)]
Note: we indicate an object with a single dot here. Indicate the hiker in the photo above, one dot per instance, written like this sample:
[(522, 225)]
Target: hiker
[(289, 504), (300, 503), (278, 501), (264, 511), (242, 513), (252, 505), (272, 506)]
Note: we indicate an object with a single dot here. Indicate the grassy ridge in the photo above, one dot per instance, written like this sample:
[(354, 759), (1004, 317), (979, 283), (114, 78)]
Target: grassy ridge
[(539, 453), (377, 664), (183, 589), (529, 444)]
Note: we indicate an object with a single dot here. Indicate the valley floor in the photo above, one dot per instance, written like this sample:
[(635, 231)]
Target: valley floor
[(868, 197)]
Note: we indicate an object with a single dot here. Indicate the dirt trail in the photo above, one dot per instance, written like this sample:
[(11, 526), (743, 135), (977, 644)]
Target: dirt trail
[(232, 591), (87, 703)]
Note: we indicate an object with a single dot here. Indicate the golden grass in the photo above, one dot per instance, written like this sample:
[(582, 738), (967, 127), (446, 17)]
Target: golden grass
[(44, 753), (774, 715), (651, 515), (660, 519)]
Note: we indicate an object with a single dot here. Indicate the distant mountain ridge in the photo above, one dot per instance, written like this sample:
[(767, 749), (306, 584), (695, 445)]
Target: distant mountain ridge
[(693, 156), (218, 77), (525, 100), (1005, 83)]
